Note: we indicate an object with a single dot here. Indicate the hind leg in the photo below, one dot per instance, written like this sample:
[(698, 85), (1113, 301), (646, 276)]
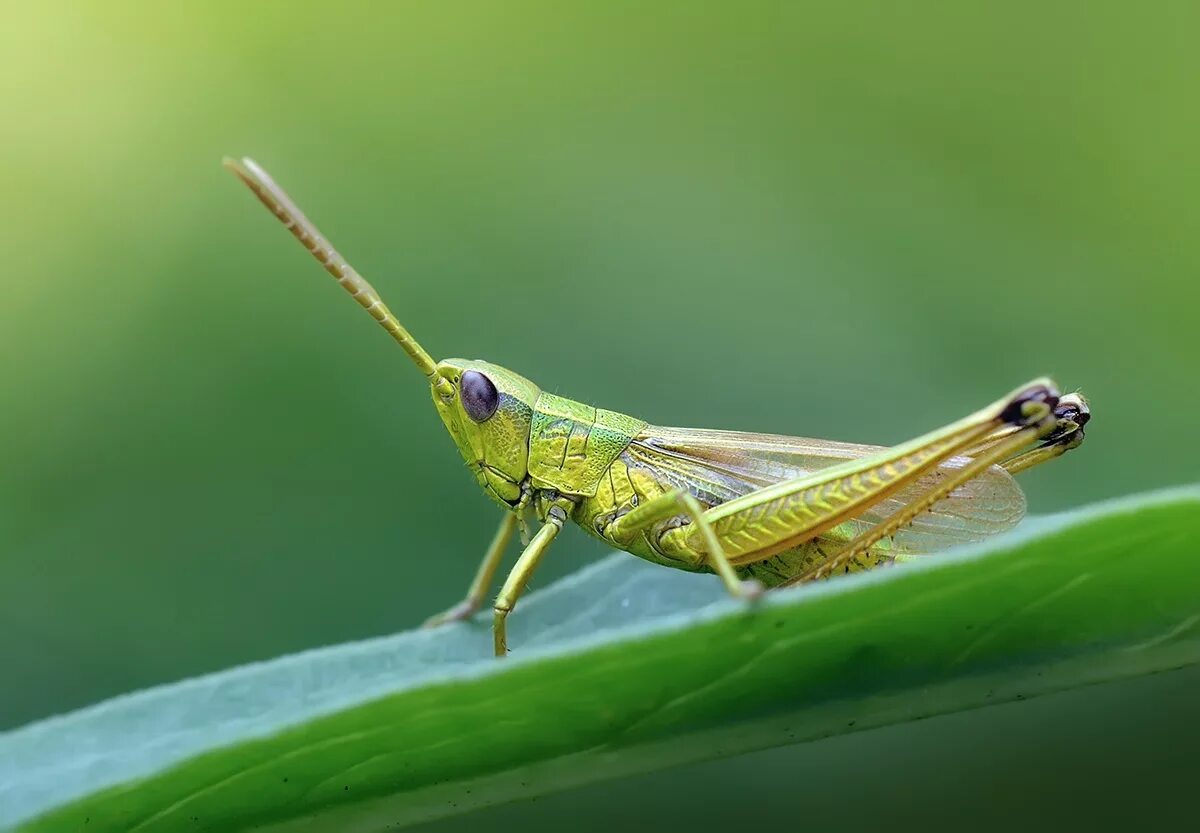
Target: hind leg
[(996, 452)]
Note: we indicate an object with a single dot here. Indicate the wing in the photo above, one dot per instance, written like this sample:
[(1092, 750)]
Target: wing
[(717, 466)]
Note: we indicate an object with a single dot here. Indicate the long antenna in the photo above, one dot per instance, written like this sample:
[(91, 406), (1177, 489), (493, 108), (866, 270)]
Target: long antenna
[(281, 205)]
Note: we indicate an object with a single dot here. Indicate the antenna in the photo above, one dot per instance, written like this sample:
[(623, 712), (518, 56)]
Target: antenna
[(288, 213)]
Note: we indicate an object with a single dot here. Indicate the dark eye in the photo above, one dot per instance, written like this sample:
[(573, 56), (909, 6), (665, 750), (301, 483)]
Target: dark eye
[(479, 396)]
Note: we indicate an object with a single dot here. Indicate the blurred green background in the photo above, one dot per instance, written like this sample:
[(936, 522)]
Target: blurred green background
[(854, 223)]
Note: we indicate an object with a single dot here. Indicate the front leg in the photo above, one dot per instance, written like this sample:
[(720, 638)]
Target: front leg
[(521, 572), (483, 576)]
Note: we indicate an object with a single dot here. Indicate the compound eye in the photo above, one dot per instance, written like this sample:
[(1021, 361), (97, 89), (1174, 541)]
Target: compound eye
[(480, 398)]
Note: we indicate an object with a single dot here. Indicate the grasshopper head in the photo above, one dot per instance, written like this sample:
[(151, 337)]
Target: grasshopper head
[(488, 410)]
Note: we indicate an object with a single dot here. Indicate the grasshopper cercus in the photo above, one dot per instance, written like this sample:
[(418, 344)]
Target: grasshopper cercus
[(756, 509)]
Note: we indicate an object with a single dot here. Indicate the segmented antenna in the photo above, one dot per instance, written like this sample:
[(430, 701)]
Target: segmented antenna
[(288, 213)]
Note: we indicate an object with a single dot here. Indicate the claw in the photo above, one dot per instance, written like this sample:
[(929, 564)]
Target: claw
[(752, 589), (460, 612)]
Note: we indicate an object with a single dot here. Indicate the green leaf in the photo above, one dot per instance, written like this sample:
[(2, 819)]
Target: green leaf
[(622, 668)]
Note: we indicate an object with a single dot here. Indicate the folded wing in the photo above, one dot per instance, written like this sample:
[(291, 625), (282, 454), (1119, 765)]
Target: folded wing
[(717, 466)]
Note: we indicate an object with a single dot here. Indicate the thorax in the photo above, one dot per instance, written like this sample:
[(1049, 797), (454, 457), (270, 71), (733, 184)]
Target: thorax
[(572, 445)]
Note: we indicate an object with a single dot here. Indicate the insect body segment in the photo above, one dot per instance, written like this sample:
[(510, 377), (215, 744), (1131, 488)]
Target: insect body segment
[(757, 510), (572, 445)]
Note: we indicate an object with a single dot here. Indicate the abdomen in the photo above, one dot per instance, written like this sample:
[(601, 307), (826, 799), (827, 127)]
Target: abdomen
[(624, 486)]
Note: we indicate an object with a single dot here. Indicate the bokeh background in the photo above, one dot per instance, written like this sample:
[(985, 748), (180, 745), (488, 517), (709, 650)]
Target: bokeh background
[(854, 221)]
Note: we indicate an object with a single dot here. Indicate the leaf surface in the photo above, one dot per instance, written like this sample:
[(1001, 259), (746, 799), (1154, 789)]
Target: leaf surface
[(622, 668)]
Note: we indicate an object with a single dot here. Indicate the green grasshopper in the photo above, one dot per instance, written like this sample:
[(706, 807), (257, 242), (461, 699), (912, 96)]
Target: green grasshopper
[(758, 510)]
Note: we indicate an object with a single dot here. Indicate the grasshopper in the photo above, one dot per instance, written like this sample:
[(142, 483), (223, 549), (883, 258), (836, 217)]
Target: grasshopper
[(758, 510)]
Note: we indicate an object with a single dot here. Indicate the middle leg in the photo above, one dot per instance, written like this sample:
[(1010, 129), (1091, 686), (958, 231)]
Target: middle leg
[(646, 518)]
